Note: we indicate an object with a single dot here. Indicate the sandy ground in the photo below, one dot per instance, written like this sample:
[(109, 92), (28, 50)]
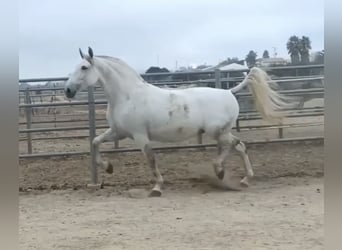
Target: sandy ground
[(282, 209), (285, 213)]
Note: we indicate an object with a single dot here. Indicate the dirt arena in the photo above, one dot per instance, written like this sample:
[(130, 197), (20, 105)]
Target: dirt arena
[(282, 209)]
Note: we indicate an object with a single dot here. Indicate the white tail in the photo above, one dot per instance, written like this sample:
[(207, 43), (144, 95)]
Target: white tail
[(267, 101)]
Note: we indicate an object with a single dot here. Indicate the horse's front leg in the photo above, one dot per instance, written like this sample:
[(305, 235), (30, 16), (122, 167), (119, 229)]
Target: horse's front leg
[(108, 135), (144, 144)]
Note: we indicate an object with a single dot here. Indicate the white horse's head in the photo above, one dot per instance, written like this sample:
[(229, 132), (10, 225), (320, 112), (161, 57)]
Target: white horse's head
[(83, 76)]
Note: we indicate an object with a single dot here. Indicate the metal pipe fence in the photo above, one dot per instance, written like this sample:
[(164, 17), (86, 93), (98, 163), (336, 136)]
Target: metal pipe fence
[(91, 104)]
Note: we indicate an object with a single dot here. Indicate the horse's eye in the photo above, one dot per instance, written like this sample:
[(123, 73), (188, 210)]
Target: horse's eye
[(84, 67)]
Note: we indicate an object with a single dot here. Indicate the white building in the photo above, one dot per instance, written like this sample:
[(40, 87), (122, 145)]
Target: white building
[(267, 62)]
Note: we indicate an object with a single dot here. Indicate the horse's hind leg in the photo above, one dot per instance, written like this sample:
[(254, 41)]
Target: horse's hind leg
[(108, 135), (241, 148), (223, 146)]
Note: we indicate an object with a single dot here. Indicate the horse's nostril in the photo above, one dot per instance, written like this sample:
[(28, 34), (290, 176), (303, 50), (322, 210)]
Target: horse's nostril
[(68, 90)]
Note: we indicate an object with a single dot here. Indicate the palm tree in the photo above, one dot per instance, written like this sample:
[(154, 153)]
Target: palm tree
[(304, 49), (266, 54), (319, 57), (293, 49), (251, 58)]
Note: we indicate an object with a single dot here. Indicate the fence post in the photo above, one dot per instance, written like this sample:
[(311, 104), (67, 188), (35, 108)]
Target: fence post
[(237, 123), (92, 134), (280, 132), (200, 138), (116, 144), (218, 83), (237, 126), (28, 120), (228, 80)]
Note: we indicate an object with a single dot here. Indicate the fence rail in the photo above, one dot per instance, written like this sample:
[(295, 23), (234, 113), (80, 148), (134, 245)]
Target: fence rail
[(193, 146), (313, 109), (247, 116), (81, 103)]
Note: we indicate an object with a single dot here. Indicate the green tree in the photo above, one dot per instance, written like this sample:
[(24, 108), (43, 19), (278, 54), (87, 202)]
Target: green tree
[(293, 48), (232, 60), (304, 49), (251, 58), (266, 54), (154, 69), (235, 60)]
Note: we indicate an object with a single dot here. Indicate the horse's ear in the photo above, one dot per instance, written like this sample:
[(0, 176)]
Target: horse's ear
[(81, 53), (90, 52)]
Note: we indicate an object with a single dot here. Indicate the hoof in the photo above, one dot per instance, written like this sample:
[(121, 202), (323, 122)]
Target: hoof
[(155, 193), (244, 182), (220, 174), (109, 169)]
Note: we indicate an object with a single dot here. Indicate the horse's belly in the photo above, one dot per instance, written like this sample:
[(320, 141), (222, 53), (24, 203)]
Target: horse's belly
[(173, 134)]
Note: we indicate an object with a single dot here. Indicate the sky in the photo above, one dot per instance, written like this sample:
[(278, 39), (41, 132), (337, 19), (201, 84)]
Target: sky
[(160, 33)]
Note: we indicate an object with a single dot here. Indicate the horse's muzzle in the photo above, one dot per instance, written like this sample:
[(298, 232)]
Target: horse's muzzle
[(70, 93)]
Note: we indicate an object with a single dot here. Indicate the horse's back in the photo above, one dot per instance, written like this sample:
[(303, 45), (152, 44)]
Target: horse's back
[(205, 107), (214, 100), (202, 103)]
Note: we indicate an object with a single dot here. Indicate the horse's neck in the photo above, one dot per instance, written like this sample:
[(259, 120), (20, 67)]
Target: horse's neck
[(117, 83)]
